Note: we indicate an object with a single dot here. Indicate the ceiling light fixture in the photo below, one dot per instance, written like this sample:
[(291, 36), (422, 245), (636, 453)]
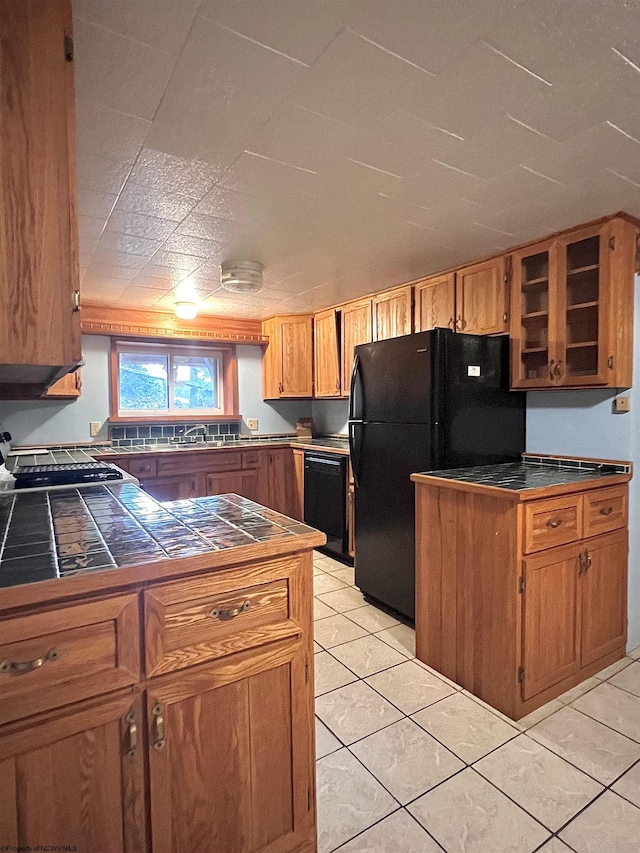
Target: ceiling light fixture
[(186, 309), (242, 276)]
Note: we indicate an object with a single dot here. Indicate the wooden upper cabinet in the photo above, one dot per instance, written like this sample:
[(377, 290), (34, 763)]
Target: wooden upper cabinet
[(572, 309), (392, 313), (435, 302), (482, 298), (356, 329), (327, 354), (287, 364), (235, 769), (39, 319)]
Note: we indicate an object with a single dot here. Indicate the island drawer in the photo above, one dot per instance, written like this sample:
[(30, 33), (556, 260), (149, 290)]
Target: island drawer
[(605, 510), (56, 657), (552, 522), (142, 467), (201, 619)]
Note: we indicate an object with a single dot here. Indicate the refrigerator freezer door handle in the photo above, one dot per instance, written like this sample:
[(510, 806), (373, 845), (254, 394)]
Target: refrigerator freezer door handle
[(356, 387), (354, 453)]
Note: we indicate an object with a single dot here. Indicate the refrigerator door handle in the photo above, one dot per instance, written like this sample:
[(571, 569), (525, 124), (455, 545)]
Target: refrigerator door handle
[(356, 387), (354, 452)]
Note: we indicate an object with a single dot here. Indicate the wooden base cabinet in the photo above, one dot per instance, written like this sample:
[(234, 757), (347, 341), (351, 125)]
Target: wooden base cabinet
[(213, 744), (76, 779), (519, 600), (231, 764)]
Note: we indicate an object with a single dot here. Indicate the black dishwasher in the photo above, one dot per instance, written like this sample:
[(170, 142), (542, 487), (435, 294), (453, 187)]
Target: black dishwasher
[(325, 499)]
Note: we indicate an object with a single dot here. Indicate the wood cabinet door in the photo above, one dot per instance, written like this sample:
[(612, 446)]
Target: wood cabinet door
[(583, 289), (604, 596), (296, 354), (231, 755), (435, 303), (327, 355), (67, 388), (175, 488), (75, 779), (551, 619), (245, 483), (392, 313), (39, 323), (281, 481), (356, 329), (482, 298)]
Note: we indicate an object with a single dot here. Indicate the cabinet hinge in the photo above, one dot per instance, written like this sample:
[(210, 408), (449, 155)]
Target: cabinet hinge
[(610, 362), (306, 672), (309, 799), (521, 584), (612, 243), (520, 674), (68, 49)]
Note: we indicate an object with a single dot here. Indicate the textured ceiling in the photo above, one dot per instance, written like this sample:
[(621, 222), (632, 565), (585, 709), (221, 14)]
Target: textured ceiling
[(349, 145)]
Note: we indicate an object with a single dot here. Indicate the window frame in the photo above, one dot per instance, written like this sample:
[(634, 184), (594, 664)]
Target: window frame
[(228, 378)]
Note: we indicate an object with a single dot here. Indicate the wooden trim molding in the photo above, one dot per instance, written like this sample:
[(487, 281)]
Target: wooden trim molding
[(131, 322), (229, 391)]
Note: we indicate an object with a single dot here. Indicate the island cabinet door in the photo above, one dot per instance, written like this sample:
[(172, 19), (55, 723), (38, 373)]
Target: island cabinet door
[(231, 755), (551, 618), (75, 779), (604, 596)]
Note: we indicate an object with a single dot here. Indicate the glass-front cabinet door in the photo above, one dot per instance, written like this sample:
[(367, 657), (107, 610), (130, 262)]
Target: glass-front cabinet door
[(534, 345), (582, 291)]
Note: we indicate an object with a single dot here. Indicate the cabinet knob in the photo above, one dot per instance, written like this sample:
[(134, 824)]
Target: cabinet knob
[(75, 300), (558, 369), (553, 523), (460, 324), (280, 387), (232, 612), (551, 366), (606, 510), (22, 667)]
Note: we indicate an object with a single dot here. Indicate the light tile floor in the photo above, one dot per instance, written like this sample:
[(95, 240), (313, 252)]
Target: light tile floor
[(408, 762)]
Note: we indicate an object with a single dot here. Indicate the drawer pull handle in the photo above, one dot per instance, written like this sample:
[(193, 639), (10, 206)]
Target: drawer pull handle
[(232, 612), (21, 667), (132, 733), (606, 510), (158, 717), (554, 522)]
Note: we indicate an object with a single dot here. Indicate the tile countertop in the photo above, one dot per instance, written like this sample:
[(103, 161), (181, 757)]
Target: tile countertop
[(100, 532), (86, 453), (533, 477)]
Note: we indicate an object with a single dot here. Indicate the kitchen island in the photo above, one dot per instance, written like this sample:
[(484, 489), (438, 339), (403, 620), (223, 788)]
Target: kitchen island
[(521, 575), (156, 673)]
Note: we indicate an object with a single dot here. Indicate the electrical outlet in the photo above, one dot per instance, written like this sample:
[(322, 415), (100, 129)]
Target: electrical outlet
[(94, 428), (252, 424), (622, 404)]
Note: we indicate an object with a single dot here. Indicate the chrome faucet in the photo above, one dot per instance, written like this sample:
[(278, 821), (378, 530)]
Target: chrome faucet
[(188, 434)]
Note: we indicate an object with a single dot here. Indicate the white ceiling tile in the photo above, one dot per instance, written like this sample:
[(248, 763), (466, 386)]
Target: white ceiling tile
[(193, 246), (168, 173), (99, 270), (223, 89), (358, 83), (301, 30), (174, 261), (224, 203), (139, 225), (113, 258), (513, 185), (90, 226), (601, 147), (152, 201), (108, 133), (128, 244), (209, 227), (431, 35), (254, 174), (163, 25), (150, 283), (94, 203), (119, 72), (96, 173), (87, 245)]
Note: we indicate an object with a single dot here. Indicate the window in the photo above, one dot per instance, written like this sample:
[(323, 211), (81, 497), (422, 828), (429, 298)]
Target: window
[(154, 379)]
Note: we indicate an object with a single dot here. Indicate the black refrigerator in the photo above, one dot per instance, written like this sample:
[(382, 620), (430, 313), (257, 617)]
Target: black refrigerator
[(421, 402)]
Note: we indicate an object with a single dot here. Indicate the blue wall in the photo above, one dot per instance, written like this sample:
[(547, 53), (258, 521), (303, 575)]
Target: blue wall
[(582, 423), (63, 421)]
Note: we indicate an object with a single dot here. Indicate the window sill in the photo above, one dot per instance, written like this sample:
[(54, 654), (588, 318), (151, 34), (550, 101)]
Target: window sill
[(174, 419)]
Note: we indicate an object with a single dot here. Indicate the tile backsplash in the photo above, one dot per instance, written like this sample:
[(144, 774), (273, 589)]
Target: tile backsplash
[(127, 436)]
